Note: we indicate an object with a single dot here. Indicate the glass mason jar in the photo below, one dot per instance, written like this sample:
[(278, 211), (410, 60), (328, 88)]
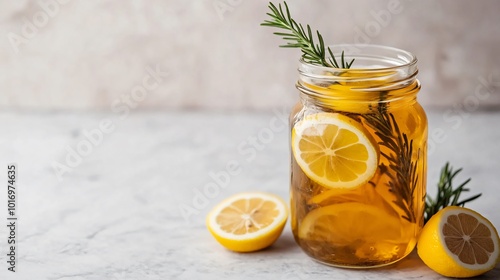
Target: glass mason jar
[(358, 170)]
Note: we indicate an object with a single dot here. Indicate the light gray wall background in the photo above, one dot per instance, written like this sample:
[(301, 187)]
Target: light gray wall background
[(93, 54)]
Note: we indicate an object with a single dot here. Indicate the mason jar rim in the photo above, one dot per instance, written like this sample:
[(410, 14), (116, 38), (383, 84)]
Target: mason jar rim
[(376, 69), (394, 58)]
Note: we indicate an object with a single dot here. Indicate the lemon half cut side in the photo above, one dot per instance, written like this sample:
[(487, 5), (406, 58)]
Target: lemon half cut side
[(248, 222), (459, 242)]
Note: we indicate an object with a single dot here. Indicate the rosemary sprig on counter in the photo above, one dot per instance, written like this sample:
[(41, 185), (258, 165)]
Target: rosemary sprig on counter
[(298, 37), (447, 195)]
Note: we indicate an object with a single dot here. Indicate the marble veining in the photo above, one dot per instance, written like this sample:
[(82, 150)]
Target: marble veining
[(119, 214)]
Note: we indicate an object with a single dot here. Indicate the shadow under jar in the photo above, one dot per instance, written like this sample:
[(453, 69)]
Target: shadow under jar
[(358, 167)]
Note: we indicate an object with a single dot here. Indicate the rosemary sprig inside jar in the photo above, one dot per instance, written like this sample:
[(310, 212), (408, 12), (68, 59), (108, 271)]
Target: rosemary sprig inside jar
[(398, 146)]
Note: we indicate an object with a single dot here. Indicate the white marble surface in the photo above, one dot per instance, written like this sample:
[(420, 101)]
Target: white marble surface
[(116, 215)]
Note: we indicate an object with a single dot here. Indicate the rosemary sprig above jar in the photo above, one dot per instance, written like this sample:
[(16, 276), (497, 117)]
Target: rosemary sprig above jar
[(298, 37), (399, 149)]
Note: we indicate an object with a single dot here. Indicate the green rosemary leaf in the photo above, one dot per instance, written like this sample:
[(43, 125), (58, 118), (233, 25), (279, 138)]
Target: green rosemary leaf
[(447, 195), (349, 64), (333, 61), (458, 190), (303, 37), (404, 179), (284, 34), (462, 203), (291, 46), (342, 59)]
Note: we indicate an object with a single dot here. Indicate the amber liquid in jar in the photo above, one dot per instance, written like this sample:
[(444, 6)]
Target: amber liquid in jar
[(376, 223)]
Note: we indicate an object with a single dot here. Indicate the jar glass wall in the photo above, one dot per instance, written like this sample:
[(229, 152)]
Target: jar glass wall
[(358, 169)]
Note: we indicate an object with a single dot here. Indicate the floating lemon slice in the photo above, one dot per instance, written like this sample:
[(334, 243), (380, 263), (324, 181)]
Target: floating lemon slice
[(365, 194), (248, 222), (459, 242), (334, 150), (346, 223)]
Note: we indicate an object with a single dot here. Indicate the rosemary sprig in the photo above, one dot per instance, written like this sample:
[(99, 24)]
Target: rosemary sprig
[(404, 179), (447, 195), (298, 37), (404, 183)]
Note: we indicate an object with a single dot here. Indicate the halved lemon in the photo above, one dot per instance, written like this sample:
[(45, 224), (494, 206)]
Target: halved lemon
[(334, 150), (459, 242), (248, 222)]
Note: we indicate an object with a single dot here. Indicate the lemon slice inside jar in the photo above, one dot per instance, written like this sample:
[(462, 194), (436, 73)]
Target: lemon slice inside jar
[(334, 150)]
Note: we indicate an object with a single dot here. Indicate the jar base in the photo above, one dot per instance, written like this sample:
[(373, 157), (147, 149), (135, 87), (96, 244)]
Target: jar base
[(360, 266)]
